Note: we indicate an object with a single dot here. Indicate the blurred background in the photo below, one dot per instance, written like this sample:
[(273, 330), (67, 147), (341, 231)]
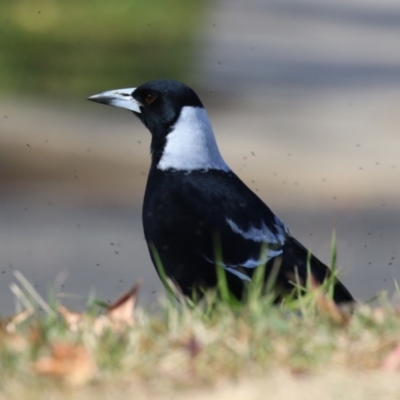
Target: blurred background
[(303, 95)]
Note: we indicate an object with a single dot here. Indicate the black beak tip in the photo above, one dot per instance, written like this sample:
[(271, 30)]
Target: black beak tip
[(99, 99)]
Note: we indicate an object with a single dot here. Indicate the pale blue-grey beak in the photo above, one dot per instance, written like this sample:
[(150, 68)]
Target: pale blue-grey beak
[(118, 98)]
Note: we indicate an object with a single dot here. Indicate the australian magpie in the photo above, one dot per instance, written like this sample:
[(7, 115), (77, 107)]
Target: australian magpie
[(193, 200)]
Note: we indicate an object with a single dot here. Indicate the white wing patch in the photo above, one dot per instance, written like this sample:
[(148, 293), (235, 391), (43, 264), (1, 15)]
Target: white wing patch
[(263, 234), (242, 276), (258, 235), (251, 263), (191, 144), (265, 257)]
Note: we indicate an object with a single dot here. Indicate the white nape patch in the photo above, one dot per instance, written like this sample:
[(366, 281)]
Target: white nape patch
[(263, 234), (191, 144)]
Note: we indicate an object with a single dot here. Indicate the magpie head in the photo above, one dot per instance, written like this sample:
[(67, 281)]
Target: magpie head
[(162, 102), (158, 103), (182, 136)]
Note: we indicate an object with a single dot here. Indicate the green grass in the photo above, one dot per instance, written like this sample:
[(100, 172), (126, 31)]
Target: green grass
[(184, 345), (188, 345)]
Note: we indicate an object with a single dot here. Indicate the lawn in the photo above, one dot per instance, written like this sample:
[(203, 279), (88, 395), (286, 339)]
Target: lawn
[(216, 348)]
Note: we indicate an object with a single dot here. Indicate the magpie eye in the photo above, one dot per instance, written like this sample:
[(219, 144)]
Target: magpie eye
[(150, 98)]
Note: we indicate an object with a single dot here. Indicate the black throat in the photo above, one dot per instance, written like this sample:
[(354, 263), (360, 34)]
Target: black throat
[(157, 148)]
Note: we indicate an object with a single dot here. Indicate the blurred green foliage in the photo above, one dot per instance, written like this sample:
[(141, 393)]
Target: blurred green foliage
[(84, 46)]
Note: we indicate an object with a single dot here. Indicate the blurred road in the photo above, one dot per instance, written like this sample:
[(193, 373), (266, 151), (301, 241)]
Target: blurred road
[(304, 99), (255, 45)]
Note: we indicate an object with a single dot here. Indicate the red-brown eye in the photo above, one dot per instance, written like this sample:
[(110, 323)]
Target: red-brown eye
[(150, 98)]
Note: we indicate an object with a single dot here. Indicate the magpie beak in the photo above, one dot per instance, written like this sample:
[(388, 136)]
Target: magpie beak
[(119, 98)]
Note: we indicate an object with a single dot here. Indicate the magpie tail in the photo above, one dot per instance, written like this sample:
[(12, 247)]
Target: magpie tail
[(294, 261)]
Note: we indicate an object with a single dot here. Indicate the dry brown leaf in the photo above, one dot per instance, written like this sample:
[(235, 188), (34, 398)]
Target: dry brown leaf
[(13, 341), (193, 347), (72, 319), (10, 323), (121, 311), (327, 306), (9, 339), (379, 315), (119, 315), (392, 360), (69, 362)]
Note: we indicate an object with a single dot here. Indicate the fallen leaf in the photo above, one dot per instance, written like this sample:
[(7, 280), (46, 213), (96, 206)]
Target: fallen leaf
[(71, 318), (69, 362), (392, 360), (121, 311), (118, 316), (9, 338), (193, 346), (13, 341), (379, 315), (327, 306), (10, 323)]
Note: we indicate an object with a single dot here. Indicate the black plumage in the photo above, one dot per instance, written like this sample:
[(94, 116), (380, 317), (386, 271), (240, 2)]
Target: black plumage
[(192, 197)]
